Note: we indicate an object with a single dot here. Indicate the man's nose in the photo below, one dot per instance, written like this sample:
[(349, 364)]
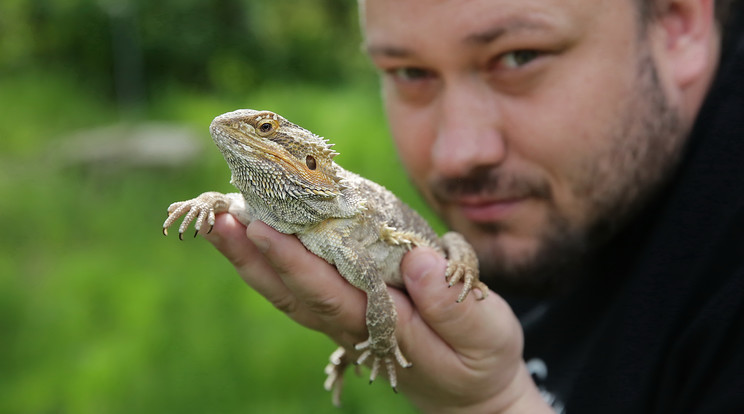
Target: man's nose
[(469, 130)]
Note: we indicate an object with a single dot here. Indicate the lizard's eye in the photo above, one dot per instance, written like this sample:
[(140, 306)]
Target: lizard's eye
[(310, 161), (266, 127)]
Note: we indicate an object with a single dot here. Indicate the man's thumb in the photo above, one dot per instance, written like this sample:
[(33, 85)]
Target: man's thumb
[(424, 275)]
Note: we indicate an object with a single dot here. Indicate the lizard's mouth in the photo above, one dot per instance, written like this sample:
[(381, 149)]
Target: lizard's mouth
[(227, 136)]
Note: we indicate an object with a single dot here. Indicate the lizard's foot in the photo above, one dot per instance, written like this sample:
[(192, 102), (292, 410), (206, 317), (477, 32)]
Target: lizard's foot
[(462, 265), (202, 209), (457, 271), (388, 358), (394, 237), (338, 362)]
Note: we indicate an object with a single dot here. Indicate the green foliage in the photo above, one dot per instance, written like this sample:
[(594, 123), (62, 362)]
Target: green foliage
[(99, 313), (130, 48)]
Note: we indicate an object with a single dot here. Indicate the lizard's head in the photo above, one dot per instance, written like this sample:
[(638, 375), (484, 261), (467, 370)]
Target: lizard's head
[(275, 157)]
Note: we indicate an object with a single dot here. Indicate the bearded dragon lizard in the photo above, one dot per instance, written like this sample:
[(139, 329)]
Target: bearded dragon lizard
[(288, 179)]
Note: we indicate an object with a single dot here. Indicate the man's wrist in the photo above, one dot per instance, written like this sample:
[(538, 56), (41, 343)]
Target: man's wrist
[(521, 396)]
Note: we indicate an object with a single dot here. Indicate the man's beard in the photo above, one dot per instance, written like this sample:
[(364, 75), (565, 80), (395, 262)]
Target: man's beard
[(645, 148)]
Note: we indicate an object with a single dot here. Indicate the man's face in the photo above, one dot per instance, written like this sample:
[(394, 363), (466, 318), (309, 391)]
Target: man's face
[(533, 127)]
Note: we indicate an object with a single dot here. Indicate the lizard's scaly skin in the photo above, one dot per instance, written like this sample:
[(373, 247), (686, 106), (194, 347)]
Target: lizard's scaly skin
[(287, 178)]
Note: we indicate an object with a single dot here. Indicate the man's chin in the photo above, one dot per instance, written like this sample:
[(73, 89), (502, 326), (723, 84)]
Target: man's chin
[(534, 265)]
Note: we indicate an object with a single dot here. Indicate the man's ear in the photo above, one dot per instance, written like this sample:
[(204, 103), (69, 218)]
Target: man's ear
[(689, 37)]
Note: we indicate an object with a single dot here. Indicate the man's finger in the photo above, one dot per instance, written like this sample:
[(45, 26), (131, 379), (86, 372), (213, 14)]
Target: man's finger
[(315, 283), (229, 237)]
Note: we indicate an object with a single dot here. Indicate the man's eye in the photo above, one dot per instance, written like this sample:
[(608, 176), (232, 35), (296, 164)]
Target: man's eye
[(518, 58), (409, 74)]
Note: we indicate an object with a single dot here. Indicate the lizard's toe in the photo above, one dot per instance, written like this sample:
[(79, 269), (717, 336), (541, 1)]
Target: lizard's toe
[(337, 363), (200, 211), (388, 358), (457, 272)]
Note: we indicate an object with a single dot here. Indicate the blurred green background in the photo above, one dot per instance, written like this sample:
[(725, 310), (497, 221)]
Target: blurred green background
[(104, 108)]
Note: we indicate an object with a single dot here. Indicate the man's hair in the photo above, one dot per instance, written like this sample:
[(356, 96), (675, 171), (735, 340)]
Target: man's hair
[(649, 10)]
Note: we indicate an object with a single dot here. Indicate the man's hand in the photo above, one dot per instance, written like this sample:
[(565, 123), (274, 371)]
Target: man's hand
[(466, 356)]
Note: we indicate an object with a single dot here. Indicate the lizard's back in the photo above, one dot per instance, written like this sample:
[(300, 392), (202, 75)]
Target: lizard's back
[(384, 231)]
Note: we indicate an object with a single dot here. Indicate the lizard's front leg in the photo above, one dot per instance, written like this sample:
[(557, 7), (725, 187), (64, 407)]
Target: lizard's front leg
[(204, 208)]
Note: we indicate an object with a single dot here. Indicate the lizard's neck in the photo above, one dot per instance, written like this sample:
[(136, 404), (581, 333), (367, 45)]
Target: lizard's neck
[(293, 215)]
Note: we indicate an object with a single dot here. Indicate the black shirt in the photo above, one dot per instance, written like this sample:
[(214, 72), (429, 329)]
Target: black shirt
[(660, 326)]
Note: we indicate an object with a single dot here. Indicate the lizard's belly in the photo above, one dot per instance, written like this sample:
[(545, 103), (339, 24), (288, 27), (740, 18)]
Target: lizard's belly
[(388, 260), (357, 252)]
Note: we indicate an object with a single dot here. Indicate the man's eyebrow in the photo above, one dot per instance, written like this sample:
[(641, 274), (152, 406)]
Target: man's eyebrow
[(483, 37), (499, 30), (388, 51)]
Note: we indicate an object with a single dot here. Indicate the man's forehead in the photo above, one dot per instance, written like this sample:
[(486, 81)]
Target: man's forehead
[(475, 36), (470, 22)]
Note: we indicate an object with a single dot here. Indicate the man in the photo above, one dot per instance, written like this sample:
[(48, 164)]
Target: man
[(592, 152)]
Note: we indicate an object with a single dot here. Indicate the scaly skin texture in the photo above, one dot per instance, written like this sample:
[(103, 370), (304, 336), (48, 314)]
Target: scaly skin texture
[(287, 178)]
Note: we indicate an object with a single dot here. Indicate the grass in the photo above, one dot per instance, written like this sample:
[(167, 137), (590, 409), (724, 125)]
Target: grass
[(99, 313)]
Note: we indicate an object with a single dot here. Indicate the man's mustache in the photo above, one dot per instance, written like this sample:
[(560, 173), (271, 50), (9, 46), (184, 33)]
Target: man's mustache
[(490, 184)]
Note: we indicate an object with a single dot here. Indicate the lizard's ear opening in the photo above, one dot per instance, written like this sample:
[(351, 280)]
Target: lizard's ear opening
[(311, 163)]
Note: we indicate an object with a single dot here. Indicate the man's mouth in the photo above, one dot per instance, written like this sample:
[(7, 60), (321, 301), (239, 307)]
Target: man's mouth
[(489, 196), (480, 209)]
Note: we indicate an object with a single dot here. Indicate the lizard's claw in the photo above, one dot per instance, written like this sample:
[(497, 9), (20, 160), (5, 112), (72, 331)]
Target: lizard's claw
[(469, 276), (388, 357), (462, 265), (199, 210), (338, 361)]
